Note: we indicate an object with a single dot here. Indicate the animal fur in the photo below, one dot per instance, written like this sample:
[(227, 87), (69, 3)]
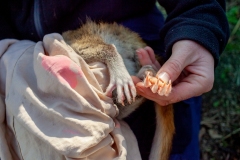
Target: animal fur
[(116, 46)]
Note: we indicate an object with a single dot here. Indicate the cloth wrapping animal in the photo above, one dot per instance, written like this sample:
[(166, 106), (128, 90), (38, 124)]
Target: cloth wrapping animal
[(53, 105)]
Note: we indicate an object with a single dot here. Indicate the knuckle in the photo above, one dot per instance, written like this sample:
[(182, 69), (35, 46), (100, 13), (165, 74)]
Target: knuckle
[(178, 99), (175, 65), (208, 85)]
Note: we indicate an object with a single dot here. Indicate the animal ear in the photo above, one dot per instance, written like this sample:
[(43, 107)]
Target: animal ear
[(113, 46)]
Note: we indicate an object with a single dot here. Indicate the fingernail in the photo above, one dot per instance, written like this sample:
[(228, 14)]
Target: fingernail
[(139, 54), (164, 76)]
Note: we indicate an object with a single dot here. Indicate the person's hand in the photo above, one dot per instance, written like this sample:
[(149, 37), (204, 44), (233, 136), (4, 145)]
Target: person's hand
[(190, 67)]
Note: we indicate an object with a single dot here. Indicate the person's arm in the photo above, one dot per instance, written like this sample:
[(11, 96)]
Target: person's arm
[(194, 35), (203, 21)]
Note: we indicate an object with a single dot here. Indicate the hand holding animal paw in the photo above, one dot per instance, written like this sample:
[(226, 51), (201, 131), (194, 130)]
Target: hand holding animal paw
[(190, 68)]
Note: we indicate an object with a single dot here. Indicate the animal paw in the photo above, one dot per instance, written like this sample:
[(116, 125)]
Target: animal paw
[(159, 85), (124, 88)]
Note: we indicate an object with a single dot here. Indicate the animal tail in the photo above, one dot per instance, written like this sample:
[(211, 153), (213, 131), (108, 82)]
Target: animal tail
[(165, 129)]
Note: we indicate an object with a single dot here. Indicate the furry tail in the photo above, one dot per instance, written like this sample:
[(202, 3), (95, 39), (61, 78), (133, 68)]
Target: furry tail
[(165, 130)]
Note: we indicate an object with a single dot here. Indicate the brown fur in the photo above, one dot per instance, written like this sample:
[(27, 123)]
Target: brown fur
[(116, 46)]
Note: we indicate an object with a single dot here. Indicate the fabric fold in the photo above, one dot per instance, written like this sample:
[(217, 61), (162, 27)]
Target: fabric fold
[(55, 106)]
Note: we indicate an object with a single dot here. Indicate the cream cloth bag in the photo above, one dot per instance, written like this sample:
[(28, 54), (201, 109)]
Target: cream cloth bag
[(53, 105)]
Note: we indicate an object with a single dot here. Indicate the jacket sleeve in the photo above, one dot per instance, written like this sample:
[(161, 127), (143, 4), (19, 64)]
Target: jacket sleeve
[(203, 21), (6, 29)]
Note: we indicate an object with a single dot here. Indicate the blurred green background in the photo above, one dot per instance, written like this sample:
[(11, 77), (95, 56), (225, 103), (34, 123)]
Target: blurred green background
[(220, 126)]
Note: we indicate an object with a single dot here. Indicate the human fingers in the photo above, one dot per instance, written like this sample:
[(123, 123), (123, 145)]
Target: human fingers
[(194, 84), (147, 93), (182, 55), (199, 80), (194, 60), (146, 57), (152, 56), (136, 79)]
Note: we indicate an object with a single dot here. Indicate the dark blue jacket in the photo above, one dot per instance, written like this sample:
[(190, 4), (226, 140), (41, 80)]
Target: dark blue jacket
[(203, 21)]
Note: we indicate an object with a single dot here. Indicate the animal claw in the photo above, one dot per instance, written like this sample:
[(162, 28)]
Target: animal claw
[(147, 82), (154, 87), (158, 85)]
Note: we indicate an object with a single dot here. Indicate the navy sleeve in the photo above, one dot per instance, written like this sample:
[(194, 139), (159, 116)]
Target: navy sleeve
[(203, 21), (6, 28)]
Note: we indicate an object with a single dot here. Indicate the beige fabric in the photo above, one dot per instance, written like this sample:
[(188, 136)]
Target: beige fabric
[(45, 113)]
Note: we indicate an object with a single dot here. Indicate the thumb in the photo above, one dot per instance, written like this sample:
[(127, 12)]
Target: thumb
[(180, 58), (171, 69)]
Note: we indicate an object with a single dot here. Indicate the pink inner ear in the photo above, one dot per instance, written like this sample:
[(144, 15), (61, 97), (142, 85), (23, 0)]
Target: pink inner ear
[(63, 68)]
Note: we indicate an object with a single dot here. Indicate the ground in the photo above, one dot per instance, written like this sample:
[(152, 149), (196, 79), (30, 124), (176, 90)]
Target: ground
[(220, 127)]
